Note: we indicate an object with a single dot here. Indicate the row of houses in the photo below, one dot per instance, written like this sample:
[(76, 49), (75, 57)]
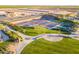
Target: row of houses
[(28, 12)]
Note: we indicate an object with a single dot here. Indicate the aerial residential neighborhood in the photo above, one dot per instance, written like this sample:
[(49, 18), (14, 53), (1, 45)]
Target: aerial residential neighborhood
[(43, 30)]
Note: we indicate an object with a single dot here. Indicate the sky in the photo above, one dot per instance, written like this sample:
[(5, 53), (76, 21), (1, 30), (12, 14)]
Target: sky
[(39, 2)]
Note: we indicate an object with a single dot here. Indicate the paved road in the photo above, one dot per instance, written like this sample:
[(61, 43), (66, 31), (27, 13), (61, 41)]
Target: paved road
[(56, 35), (21, 45)]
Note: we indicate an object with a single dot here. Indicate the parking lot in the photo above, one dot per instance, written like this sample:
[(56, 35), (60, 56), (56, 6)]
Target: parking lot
[(44, 23)]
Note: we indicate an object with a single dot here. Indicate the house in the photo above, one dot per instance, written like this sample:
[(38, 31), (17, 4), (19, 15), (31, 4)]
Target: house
[(3, 14), (3, 36)]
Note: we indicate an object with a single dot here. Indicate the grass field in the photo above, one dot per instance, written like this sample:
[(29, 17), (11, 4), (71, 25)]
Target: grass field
[(41, 46), (33, 31), (35, 6)]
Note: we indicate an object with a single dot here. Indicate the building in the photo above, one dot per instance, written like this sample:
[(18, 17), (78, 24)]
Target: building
[(3, 37), (3, 14)]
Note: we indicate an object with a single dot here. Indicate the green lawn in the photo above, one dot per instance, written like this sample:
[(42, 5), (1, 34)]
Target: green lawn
[(33, 31), (41, 46)]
